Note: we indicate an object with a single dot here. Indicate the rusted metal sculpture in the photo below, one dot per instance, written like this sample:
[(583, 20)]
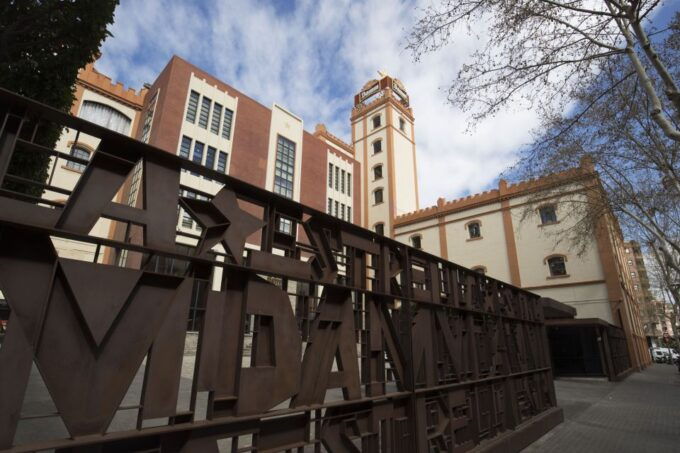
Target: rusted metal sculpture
[(359, 343)]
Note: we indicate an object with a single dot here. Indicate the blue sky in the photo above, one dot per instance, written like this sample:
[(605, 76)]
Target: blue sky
[(312, 56)]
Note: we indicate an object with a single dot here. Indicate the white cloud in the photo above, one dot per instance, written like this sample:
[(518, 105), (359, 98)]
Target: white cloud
[(312, 60)]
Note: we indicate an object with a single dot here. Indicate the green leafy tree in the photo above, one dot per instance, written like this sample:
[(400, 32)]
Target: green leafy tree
[(43, 44)]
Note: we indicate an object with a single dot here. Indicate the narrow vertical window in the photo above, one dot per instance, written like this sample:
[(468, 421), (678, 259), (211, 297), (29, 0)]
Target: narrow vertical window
[(284, 167), (349, 183), (185, 147), (337, 208), (342, 211), (416, 241), (226, 123), (380, 228), (192, 106), (377, 146), (330, 206), (376, 121), (198, 152), (148, 118), (205, 112), (216, 119), (222, 162), (337, 178), (210, 157), (342, 181), (377, 196), (330, 175), (349, 213)]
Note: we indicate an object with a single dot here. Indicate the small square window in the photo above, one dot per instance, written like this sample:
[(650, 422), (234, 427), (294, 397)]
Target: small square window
[(377, 146), (285, 226), (557, 266), (377, 172), (376, 121), (380, 228), (548, 214), (474, 230), (416, 242)]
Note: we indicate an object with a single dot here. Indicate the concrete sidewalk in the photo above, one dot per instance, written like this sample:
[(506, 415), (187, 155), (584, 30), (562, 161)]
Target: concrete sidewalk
[(639, 414)]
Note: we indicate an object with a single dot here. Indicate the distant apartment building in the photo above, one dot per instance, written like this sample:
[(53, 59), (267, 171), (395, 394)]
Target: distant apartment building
[(371, 182)]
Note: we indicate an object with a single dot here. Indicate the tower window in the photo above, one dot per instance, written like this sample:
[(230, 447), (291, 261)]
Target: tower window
[(548, 214), (377, 146), (402, 125), (416, 241), (284, 167), (379, 228), (377, 172), (557, 266), (474, 230), (377, 196), (376, 121)]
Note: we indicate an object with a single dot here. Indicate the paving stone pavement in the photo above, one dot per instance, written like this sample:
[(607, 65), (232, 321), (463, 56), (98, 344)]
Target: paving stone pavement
[(639, 414)]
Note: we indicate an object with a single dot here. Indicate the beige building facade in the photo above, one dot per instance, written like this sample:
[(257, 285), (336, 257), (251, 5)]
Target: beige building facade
[(512, 233)]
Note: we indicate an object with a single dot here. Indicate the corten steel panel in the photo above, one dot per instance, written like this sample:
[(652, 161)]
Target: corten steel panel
[(333, 340)]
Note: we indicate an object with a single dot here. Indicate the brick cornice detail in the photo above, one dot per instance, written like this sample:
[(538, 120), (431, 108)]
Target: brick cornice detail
[(320, 131), (503, 193), (90, 78)]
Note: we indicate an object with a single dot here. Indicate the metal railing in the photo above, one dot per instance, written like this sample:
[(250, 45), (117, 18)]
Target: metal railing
[(358, 341)]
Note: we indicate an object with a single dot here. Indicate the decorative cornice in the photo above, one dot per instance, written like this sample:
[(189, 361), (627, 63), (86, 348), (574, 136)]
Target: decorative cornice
[(90, 78), (384, 97)]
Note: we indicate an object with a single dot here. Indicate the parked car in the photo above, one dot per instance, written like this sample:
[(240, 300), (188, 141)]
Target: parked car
[(665, 355)]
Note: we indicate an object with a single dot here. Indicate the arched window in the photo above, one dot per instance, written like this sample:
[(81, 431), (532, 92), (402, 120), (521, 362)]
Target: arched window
[(557, 265), (81, 153), (106, 116), (416, 241), (474, 229), (479, 269), (377, 146), (378, 196), (379, 228), (377, 172), (376, 121)]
